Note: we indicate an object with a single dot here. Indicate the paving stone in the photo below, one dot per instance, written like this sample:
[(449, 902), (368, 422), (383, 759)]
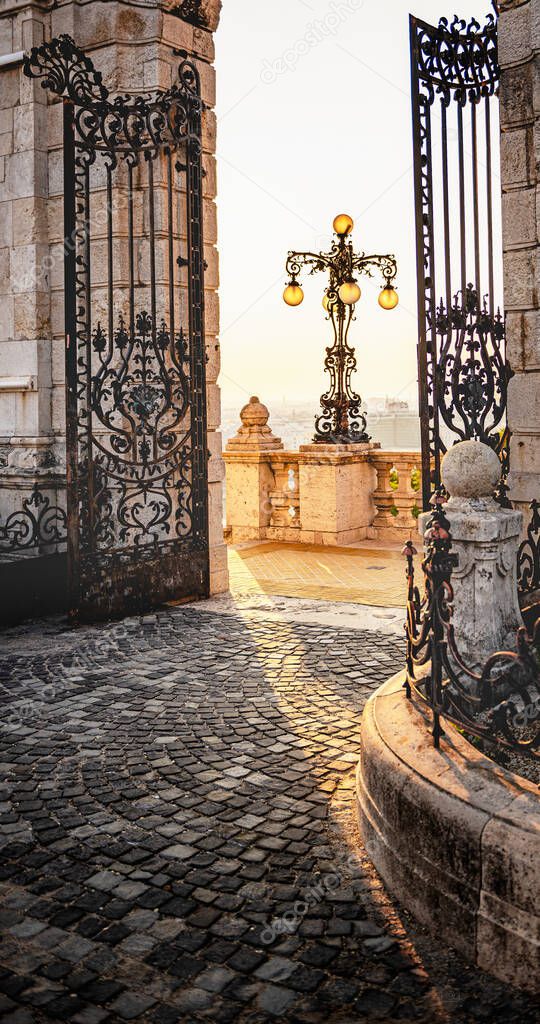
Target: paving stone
[(276, 969), (27, 929), (104, 880), (246, 960), (193, 779), (179, 851), (275, 1000), (192, 999), (75, 948), (130, 1005), (215, 979), (90, 1015), (379, 944)]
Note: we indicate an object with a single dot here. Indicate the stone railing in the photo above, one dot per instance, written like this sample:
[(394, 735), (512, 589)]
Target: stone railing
[(321, 494), (284, 498), (397, 497)]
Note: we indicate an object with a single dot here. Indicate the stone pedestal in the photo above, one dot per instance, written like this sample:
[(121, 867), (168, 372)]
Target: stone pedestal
[(336, 487), (485, 537), (250, 477)]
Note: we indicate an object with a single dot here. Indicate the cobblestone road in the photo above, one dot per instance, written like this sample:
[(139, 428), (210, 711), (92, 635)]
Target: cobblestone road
[(177, 835)]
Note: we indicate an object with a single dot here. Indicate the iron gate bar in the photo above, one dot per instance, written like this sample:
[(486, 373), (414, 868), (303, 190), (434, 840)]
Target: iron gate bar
[(457, 63), (71, 383), (135, 396)]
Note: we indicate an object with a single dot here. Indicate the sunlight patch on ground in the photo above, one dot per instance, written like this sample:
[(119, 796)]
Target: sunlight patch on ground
[(363, 576)]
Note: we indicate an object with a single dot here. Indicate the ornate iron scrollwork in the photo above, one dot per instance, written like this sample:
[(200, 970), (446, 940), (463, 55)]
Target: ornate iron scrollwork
[(191, 11), (140, 396), (458, 60), (472, 373), (123, 124), (137, 449), (38, 525), (501, 703), (529, 554), (455, 76)]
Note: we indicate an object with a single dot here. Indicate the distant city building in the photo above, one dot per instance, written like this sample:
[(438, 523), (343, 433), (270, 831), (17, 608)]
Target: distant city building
[(391, 422)]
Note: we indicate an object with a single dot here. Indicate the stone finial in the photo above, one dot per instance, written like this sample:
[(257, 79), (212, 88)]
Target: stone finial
[(471, 470), (254, 434)]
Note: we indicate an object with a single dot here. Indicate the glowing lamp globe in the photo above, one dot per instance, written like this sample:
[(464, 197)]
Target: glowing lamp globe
[(388, 298), (293, 294), (326, 303), (343, 224), (349, 292)]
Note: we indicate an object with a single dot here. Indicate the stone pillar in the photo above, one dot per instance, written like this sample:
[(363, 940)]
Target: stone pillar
[(27, 451), (485, 537), (519, 57), (133, 46), (249, 474), (336, 492)]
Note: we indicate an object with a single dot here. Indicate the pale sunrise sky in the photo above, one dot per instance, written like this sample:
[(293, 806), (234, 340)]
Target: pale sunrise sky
[(314, 119)]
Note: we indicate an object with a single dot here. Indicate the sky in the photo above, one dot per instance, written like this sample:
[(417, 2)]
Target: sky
[(313, 119)]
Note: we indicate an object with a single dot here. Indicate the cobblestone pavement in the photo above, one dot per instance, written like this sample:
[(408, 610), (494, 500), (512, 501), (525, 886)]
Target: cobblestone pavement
[(178, 841)]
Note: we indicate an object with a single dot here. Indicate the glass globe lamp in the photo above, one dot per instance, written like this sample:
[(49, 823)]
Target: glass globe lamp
[(343, 224), (388, 298), (349, 292), (293, 294)]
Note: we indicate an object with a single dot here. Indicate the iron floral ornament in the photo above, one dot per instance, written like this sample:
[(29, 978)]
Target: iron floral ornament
[(500, 704)]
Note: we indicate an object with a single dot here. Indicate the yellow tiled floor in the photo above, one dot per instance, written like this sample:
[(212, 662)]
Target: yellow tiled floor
[(361, 575)]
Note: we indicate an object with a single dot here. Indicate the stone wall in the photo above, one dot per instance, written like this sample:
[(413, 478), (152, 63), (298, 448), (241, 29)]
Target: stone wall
[(519, 52), (132, 44)]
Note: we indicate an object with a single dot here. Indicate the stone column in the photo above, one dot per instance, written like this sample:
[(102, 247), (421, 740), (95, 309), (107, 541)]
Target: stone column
[(26, 440), (249, 474), (519, 57), (485, 537), (133, 46)]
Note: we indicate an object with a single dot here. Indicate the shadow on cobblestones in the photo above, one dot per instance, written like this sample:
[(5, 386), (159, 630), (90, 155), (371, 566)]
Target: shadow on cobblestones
[(176, 832)]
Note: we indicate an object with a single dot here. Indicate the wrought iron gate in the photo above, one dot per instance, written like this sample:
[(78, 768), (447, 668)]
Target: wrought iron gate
[(136, 448), (462, 367)]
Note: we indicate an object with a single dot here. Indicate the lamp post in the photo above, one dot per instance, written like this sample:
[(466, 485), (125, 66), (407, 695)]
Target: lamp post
[(341, 420)]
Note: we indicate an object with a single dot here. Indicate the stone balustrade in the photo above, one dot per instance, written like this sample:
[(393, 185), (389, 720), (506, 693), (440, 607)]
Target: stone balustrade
[(397, 496), (320, 494)]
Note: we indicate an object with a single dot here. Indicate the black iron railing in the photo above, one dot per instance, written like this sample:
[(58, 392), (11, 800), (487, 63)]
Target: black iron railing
[(37, 527), (500, 703)]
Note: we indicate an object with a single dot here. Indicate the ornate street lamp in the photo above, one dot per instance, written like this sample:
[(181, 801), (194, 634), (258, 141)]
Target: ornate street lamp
[(341, 420)]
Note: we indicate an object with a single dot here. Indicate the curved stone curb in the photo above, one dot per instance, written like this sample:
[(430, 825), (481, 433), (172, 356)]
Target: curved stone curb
[(455, 837)]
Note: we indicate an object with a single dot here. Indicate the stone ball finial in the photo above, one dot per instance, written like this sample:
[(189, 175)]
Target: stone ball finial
[(471, 469), (254, 414)]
